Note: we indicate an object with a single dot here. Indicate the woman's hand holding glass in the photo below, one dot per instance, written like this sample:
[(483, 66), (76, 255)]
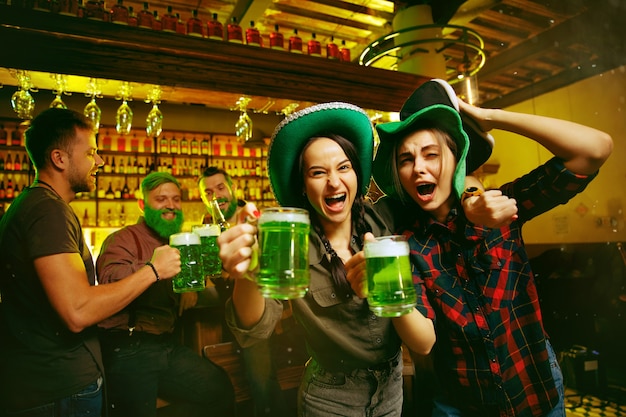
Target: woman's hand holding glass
[(356, 273)]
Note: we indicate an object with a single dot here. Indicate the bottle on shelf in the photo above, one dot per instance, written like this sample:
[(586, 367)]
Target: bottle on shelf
[(1, 162), (121, 143), (106, 141), (145, 19), (215, 29), (94, 10), (141, 169), (174, 145), (134, 143), (345, 52), (184, 146), (68, 7), (86, 221), (8, 162), (125, 190), (277, 40), (169, 21), (2, 190), (314, 48), (195, 149), (113, 166), (9, 190), (121, 168), (148, 142), (119, 13), (156, 22), (109, 194), (295, 43), (332, 50), (122, 216), (16, 137), (204, 147), (118, 191), (233, 31), (164, 145), (194, 25), (253, 36), (16, 192), (25, 163), (17, 164), (132, 18), (181, 27)]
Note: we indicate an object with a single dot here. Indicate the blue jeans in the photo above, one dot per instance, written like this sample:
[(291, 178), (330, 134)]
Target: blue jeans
[(442, 409), (85, 403), (360, 393), (142, 367)]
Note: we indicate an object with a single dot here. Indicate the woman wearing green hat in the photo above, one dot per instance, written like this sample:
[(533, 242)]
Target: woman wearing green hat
[(492, 356), (320, 159)]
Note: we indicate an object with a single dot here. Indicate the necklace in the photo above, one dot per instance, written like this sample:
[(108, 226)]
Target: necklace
[(38, 181)]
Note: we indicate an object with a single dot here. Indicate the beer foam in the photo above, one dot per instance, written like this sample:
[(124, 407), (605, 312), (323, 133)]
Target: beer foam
[(300, 216), (207, 230), (385, 248), (184, 239)]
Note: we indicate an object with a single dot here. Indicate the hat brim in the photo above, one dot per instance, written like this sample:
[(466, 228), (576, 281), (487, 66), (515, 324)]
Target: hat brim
[(437, 91), (290, 136), (440, 116)]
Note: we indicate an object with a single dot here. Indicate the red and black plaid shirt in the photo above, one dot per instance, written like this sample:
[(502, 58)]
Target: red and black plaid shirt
[(476, 283)]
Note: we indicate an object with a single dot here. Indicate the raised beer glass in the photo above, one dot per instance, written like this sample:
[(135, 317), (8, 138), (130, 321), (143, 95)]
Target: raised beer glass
[(209, 251), (283, 252), (191, 276), (390, 285)]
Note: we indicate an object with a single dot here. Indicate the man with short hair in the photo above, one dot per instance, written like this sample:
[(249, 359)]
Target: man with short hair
[(141, 357), (50, 359)]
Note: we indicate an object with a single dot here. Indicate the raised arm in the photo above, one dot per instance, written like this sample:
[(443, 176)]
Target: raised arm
[(582, 148)]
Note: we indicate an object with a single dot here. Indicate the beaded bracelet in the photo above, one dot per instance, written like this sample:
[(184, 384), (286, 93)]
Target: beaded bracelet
[(156, 274)]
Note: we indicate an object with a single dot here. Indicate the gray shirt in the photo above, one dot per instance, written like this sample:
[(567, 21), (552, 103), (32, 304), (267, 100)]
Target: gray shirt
[(341, 335)]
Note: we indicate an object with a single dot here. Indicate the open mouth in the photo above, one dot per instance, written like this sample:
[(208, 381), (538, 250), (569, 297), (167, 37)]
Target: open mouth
[(425, 189), (335, 200)]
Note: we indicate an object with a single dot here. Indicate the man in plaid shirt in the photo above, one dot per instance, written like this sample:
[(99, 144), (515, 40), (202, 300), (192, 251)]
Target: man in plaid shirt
[(492, 356)]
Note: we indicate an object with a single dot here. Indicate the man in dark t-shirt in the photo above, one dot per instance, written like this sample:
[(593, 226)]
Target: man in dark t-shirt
[(49, 353)]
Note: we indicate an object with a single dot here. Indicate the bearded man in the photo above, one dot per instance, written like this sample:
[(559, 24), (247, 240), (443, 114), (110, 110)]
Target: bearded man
[(142, 359)]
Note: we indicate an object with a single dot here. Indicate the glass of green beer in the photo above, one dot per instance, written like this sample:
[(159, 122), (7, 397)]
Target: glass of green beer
[(390, 285), (209, 251), (191, 276), (283, 252)]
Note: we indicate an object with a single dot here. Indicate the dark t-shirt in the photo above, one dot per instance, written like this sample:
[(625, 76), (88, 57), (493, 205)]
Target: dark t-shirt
[(40, 359)]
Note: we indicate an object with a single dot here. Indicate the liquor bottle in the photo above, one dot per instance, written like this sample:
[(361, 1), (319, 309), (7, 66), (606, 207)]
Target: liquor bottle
[(121, 168), (164, 145), (181, 27), (16, 137), (141, 169), (1, 162), (169, 21), (107, 166), (122, 216), (145, 19), (277, 40), (17, 165), (332, 50), (215, 29), (9, 191), (68, 7), (217, 215), (134, 144), (253, 36), (314, 48), (86, 219), (3, 135), (118, 192), (8, 163), (194, 25), (174, 145), (233, 31), (156, 22), (295, 43), (135, 169), (121, 143), (132, 18), (204, 146), (147, 144), (195, 150), (125, 190), (345, 52), (119, 13), (113, 166), (94, 10), (16, 192), (25, 163), (2, 190), (106, 141), (184, 146)]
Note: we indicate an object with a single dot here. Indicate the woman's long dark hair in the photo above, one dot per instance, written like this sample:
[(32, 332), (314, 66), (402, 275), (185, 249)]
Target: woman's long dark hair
[(359, 225)]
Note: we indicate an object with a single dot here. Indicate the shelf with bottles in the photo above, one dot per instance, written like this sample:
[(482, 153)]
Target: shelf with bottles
[(16, 170)]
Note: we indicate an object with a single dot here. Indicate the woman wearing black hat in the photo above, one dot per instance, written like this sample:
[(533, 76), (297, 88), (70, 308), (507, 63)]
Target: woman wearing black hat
[(320, 159), (492, 356)]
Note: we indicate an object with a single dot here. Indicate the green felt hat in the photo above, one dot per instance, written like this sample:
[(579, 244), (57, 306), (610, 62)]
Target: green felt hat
[(290, 136), (441, 116)]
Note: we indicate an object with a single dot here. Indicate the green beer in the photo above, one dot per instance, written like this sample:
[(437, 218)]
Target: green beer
[(283, 252), (190, 277), (390, 285), (209, 251)]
